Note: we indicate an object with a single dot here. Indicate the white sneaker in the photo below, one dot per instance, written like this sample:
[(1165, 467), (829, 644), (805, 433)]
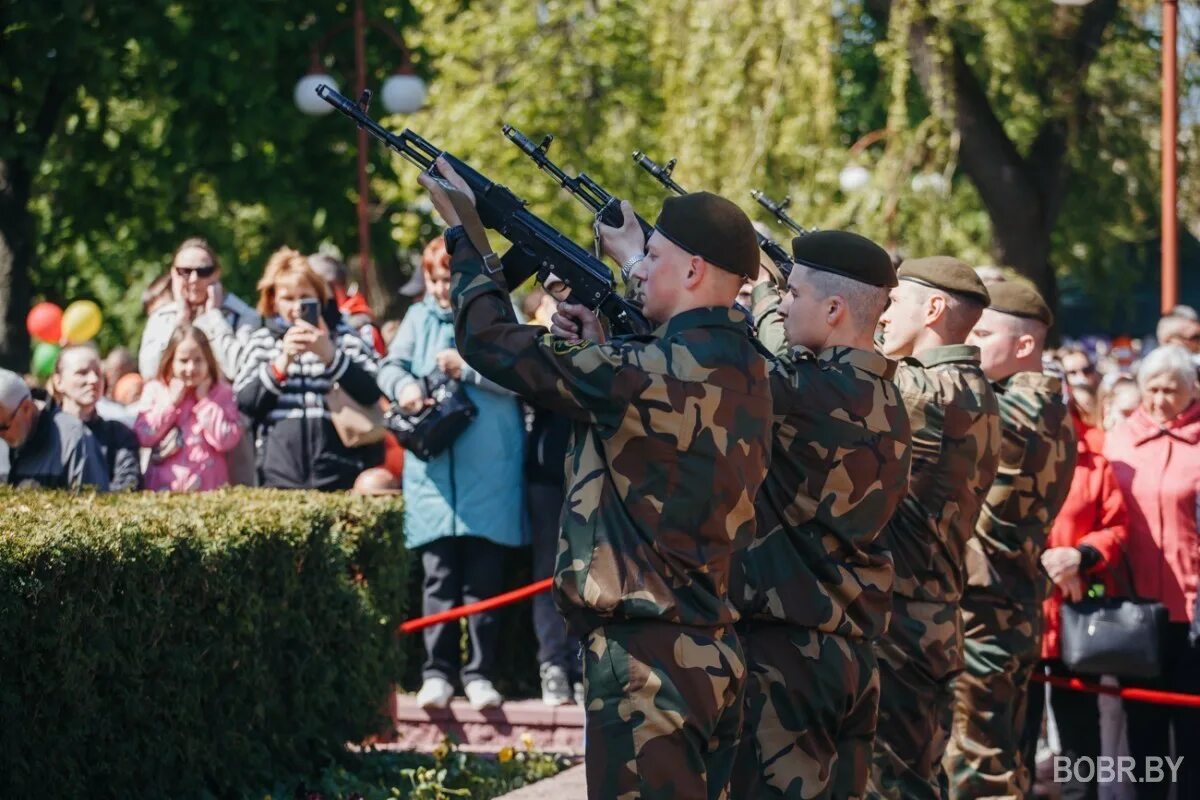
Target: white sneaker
[(435, 693), (481, 694), (556, 689)]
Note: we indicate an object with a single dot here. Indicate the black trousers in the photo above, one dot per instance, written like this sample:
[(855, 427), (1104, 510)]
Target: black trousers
[(1148, 724), (1077, 715), (460, 570), (555, 645)]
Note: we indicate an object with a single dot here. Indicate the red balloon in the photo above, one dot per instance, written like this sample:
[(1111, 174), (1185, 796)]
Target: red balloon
[(45, 322)]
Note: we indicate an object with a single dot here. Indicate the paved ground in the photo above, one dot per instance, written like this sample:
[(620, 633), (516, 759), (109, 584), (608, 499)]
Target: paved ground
[(567, 785)]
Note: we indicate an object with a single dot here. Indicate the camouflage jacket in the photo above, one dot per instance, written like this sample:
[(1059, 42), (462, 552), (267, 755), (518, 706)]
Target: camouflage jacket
[(955, 422), (839, 466), (671, 444), (1037, 458)]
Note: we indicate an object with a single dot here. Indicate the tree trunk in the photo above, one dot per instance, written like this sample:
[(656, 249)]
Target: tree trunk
[(16, 253)]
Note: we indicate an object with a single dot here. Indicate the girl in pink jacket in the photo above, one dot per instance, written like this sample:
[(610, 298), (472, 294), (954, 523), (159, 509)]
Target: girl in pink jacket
[(188, 417)]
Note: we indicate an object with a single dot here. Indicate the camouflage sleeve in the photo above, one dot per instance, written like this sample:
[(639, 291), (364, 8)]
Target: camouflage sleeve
[(585, 381), (764, 307)]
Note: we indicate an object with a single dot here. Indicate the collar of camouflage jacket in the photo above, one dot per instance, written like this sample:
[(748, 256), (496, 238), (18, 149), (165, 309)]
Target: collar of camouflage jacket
[(1037, 382), (948, 354), (706, 317), (865, 360)]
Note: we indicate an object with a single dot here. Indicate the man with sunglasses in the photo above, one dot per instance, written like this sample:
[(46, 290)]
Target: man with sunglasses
[(47, 449)]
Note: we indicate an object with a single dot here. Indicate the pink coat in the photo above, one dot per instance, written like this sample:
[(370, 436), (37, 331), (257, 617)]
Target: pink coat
[(1158, 470), (208, 429)]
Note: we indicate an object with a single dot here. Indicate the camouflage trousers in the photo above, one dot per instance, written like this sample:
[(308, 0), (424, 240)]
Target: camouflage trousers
[(663, 710), (1002, 643), (811, 705), (918, 658)]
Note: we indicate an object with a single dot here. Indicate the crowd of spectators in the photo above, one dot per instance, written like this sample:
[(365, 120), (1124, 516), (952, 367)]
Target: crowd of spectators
[(223, 393)]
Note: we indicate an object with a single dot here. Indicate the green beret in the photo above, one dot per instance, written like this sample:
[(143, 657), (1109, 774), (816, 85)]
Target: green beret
[(1019, 299), (709, 226), (847, 254), (945, 273)]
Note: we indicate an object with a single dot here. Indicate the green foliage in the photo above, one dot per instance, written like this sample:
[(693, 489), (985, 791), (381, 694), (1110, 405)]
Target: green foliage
[(176, 645), (179, 121), (448, 774)]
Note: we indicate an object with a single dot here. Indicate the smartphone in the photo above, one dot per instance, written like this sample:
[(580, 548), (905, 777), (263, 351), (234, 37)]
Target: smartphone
[(310, 310)]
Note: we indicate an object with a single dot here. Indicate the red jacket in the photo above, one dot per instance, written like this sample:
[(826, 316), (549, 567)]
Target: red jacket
[(1094, 515), (1158, 468)]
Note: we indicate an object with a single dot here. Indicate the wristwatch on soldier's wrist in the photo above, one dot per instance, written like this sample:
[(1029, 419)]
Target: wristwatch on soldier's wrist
[(453, 235), (630, 263)]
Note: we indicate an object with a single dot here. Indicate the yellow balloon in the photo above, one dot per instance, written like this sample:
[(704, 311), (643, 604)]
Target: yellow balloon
[(80, 321)]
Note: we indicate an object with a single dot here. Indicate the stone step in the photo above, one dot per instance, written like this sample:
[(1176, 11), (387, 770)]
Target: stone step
[(569, 784), (551, 730)]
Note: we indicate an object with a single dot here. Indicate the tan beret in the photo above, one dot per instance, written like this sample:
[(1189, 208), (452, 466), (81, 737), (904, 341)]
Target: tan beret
[(945, 273), (1020, 299)]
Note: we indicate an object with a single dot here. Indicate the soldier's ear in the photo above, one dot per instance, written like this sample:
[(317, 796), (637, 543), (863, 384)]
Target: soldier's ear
[(696, 270), (836, 310), (935, 308), (1026, 343)]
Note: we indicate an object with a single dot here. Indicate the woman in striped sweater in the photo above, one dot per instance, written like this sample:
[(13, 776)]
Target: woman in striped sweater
[(288, 369)]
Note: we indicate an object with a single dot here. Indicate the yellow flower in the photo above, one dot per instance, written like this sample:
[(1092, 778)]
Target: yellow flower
[(505, 755), (441, 751), (527, 741)]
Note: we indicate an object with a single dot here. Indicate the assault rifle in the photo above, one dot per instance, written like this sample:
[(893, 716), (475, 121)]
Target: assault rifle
[(662, 174), (537, 248), (606, 207), (779, 210)]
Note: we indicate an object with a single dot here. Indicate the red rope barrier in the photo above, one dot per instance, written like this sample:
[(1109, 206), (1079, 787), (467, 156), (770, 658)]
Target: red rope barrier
[(498, 601), (1123, 692), (517, 595)]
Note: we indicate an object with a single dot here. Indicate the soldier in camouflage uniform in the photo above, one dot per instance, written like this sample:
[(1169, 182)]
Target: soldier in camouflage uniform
[(670, 446), (813, 588), (1002, 602), (956, 441)]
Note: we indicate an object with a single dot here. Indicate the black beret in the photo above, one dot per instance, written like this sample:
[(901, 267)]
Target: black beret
[(709, 226), (1019, 299), (945, 273), (847, 254)]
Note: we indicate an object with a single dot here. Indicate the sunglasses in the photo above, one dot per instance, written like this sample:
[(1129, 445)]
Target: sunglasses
[(199, 272)]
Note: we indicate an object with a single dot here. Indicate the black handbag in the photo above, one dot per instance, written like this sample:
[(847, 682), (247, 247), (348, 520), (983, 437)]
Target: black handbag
[(1120, 636), (434, 428)]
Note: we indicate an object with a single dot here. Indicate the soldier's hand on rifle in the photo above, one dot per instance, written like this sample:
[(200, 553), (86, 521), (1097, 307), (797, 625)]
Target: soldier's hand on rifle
[(576, 323), (621, 244), (437, 190)]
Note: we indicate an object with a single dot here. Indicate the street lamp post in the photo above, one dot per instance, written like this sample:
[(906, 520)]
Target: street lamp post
[(403, 93), (1170, 138)]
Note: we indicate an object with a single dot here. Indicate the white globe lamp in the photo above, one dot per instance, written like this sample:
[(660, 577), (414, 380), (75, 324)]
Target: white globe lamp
[(305, 93), (403, 93), (853, 178)]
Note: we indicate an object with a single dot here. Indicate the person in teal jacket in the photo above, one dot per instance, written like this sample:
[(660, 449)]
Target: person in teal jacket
[(464, 507)]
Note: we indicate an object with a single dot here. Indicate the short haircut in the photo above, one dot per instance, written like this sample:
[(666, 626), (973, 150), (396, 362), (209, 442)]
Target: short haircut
[(435, 253), (1173, 325), (333, 270), (1170, 359), (962, 312), (286, 262), (13, 390), (1186, 312), (864, 303)]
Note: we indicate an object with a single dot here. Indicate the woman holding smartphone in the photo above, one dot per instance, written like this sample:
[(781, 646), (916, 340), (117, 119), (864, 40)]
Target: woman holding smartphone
[(302, 351)]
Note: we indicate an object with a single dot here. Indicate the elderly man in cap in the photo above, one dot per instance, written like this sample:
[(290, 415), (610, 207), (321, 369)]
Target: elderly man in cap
[(1002, 601), (671, 441), (956, 449), (813, 589), (47, 449)]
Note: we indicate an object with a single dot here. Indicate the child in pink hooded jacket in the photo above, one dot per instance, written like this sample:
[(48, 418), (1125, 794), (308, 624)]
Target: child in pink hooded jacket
[(188, 417)]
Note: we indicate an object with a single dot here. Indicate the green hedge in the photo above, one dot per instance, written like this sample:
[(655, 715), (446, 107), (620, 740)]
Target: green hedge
[(191, 645)]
